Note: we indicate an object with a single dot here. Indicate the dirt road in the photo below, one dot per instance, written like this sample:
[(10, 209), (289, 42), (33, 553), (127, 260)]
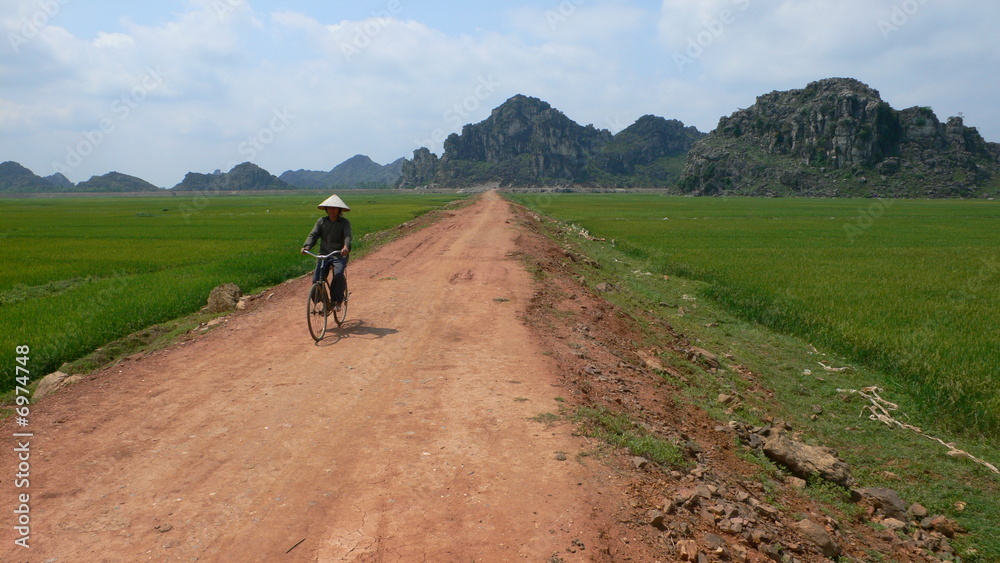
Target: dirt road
[(404, 436)]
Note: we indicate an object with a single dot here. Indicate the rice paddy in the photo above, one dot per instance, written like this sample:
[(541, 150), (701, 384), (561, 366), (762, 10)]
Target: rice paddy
[(907, 287)]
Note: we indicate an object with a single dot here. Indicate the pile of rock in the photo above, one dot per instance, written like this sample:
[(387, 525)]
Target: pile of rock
[(743, 520), (910, 526), (706, 517), (906, 526)]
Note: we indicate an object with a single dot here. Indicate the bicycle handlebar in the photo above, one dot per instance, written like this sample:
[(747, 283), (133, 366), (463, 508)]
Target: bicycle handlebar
[(334, 253)]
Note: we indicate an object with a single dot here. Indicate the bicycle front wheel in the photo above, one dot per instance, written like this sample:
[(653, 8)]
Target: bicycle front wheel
[(317, 310), (339, 315)]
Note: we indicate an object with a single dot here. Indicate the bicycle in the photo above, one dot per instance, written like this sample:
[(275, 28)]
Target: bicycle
[(318, 306)]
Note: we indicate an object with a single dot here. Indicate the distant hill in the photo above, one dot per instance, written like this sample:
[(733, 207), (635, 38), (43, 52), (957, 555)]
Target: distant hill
[(115, 182), (243, 177), (359, 171), (15, 178), (305, 178), (526, 141), (837, 137), (61, 182)]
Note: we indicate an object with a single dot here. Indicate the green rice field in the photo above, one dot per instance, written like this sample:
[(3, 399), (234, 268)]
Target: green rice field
[(908, 287), (78, 273)]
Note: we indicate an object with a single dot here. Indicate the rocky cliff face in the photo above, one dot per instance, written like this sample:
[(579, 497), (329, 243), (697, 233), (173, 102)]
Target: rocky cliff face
[(555, 146), (643, 143), (837, 137), (837, 122), (525, 141), (420, 171), (650, 152)]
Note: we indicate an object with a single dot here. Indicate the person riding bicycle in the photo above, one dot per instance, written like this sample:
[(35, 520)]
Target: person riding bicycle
[(333, 233)]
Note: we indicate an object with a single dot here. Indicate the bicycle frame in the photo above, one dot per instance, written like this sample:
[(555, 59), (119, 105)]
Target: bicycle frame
[(320, 257), (318, 309)]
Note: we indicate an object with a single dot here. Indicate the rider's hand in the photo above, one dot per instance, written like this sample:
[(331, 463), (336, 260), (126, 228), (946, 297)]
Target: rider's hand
[(304, 250), (345, 251)]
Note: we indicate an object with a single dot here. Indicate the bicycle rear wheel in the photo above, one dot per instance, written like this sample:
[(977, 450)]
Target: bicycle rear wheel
[(317, 310), (339, 315)]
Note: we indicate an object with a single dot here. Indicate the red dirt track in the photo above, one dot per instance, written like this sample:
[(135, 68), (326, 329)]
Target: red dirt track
[(403, 436)]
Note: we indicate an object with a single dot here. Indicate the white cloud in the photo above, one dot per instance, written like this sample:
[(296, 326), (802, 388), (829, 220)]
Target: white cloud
[(900, 47), (741, 40), (579, 21), (113, 40)]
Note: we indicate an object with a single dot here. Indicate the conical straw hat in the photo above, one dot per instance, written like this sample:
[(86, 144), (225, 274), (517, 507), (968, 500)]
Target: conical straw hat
[(334, 201)]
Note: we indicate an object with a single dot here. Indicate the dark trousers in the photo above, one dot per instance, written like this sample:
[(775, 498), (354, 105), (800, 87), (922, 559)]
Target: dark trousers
[(338, 264)]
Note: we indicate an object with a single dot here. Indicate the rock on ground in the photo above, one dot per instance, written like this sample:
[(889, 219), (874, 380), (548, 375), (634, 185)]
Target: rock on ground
[(52, 383), (818, 535), (805, 460), (224, 298), (886, 500)]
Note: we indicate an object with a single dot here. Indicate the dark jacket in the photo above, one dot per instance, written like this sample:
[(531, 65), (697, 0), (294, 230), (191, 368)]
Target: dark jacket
[(332, 235)]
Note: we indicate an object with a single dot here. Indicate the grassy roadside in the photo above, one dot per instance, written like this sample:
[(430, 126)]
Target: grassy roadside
[(771, 375)]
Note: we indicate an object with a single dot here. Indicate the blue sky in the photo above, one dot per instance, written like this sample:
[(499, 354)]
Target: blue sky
[(157, 89)]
